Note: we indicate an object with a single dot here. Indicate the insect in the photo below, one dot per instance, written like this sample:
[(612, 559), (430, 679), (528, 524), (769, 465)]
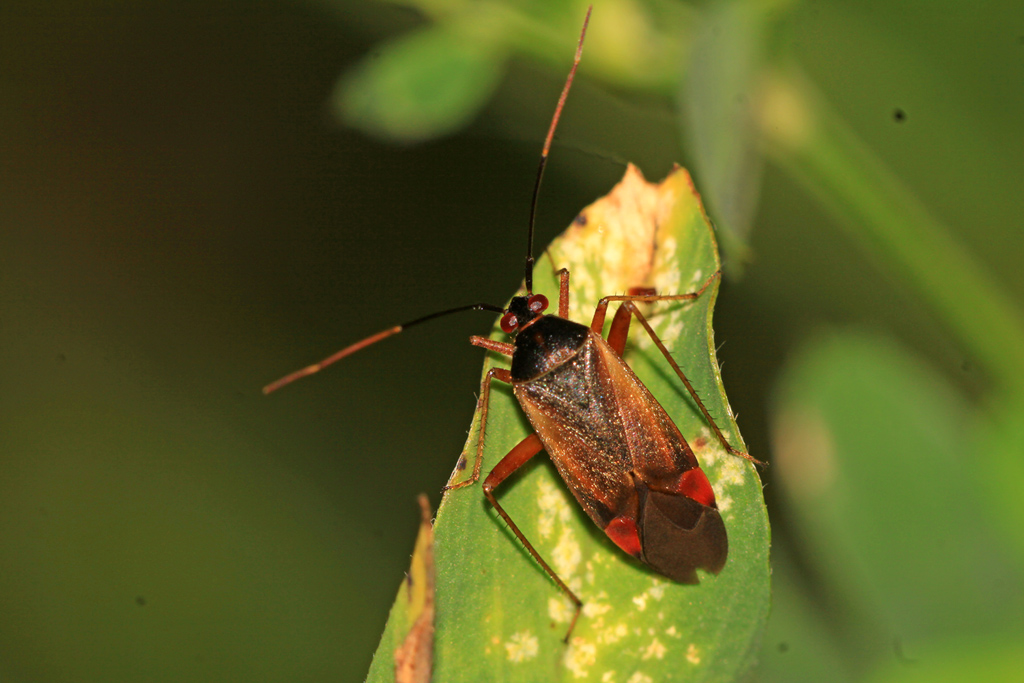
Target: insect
[(614, 445)]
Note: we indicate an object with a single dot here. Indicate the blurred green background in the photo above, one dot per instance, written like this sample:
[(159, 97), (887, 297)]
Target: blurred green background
[(189, 208)]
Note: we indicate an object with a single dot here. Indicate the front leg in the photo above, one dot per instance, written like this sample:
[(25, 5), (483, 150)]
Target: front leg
[(483, 405)]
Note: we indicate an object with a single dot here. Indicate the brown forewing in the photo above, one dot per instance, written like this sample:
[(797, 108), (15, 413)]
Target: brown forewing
[(659, 452), (600, 426)]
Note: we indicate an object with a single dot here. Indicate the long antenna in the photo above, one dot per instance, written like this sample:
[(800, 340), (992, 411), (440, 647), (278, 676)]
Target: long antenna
[(372, 339), (384, 334), (544, 154)]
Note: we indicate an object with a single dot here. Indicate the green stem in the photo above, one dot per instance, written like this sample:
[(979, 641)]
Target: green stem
[(811, 142)]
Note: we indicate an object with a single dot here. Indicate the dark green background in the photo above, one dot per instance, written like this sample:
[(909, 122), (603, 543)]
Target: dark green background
[(181, 221)]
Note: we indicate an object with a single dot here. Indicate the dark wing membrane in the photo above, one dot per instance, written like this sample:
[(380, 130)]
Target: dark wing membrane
[(573, 409)]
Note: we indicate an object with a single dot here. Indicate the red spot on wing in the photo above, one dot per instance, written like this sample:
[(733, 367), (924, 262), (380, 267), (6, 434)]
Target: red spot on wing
[(694, 484), (623, 531), (700, 442)]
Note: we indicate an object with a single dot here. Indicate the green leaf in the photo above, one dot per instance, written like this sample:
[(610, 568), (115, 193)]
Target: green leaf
[(718, 100), (499, 617), (423, 85), (957, 660), (798, 641), (999, 471), (873, 451)]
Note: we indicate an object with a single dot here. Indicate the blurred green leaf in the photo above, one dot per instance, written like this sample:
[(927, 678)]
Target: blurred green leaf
[(805, 136), (499, 616), (717, 101), (1000, 471), (873, 452), (422, 85), (955, 661)]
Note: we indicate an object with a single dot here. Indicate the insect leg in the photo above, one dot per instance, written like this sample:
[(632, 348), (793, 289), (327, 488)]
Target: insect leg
[(619, 331), (498, 347), (563, 293), (620, 328), (522, 452), (516, 458), (482, 405), (645, 294)]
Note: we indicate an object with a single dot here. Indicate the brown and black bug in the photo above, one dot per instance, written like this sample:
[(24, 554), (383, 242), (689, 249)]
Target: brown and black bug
[(614, 445)]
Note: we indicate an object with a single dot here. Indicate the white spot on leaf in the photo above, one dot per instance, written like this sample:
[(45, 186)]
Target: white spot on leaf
[(580, 656), (593, 608), (567, 555), (656, 650), (732, 472), (552, 507), (522, 646), (612, 634), (560, 610)]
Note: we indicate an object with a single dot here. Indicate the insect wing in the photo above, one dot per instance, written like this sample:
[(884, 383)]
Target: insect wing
[(679, 525), (626, 463), (582, 433)]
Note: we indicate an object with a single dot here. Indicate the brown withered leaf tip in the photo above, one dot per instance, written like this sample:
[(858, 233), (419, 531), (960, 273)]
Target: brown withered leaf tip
[(414, 658)]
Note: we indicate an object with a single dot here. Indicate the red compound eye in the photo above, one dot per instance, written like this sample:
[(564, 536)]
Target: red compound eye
[(509, 322), (538, 303)]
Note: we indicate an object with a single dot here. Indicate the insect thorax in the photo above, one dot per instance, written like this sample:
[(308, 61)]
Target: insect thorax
[(544, 345)]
